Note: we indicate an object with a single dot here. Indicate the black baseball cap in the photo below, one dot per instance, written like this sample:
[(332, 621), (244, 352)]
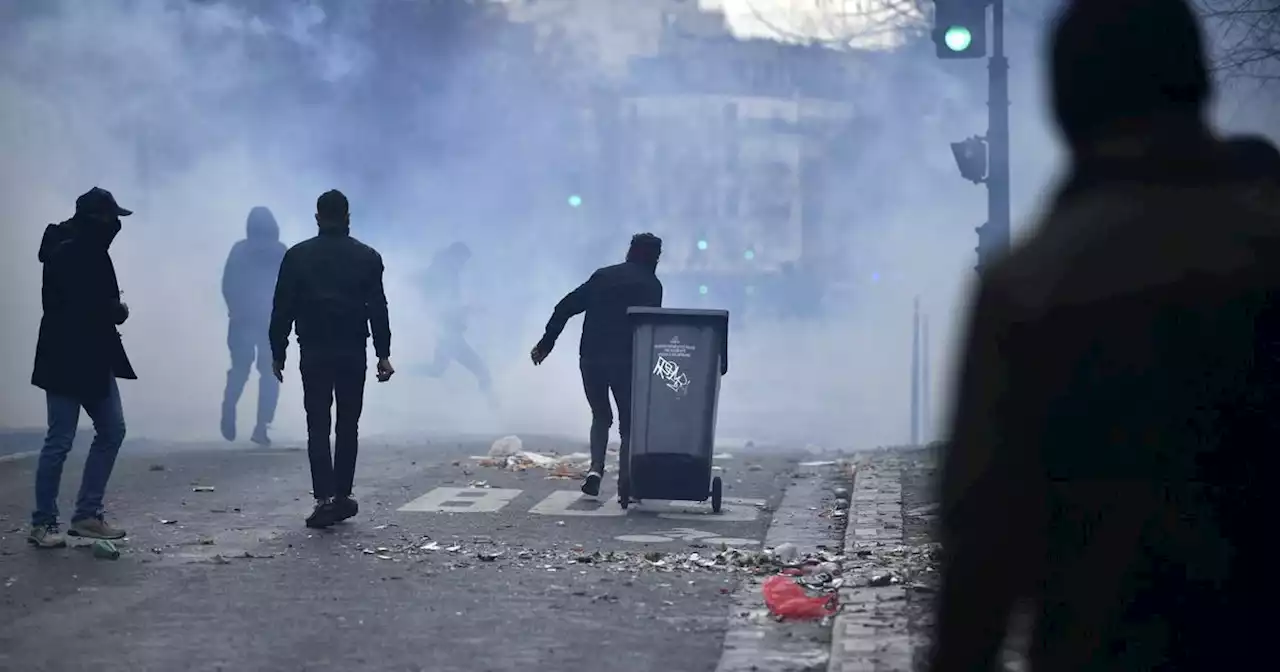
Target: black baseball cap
[(332, 204), (99, 201)]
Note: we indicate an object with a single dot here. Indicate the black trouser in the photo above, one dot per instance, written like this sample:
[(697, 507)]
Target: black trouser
[(329, 376), (599, 377), (247, 341), (452, 346)]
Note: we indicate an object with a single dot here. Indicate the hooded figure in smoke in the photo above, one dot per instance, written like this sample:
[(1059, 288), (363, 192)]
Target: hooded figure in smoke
[(248, 284), (443, 288)]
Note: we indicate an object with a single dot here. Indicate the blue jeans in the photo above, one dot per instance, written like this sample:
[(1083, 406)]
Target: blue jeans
[(108, 426)]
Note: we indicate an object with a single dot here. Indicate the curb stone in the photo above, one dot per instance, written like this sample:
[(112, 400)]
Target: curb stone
[(754, 642), (871, 634)]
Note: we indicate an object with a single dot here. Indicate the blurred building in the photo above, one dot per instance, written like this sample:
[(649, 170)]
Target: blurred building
[(724, 147)]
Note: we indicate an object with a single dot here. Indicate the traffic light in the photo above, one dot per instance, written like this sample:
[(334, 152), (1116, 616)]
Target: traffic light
[(749, 255), (971, 158), (988, 246), (575, 201), (702, 244), (702, 289), (960, 28)]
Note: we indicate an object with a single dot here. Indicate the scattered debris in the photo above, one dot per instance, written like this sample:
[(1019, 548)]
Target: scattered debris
[(156, 467), (166, 521), (787, 599), (204, 488), (105, 550)]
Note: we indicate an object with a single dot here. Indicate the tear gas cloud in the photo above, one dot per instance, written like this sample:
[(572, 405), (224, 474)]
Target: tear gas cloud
[(193, 112)]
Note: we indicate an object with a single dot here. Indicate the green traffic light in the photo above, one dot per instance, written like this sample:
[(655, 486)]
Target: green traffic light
[(957, 38), (702, 289), (575, 201), (749, 255), (702, 244)]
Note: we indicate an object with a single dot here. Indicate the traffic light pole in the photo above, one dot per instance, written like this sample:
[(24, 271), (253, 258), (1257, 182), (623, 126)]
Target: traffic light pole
[(998, 216)]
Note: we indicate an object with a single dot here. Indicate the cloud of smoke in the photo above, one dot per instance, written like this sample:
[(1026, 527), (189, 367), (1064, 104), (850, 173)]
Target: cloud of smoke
[(194, 112)]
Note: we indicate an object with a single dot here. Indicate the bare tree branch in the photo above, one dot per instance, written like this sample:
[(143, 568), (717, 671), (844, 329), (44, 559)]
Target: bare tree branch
[(1248, 38), (853, 23)]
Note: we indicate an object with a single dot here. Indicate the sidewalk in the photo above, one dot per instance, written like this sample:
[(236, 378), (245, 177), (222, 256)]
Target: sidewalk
[(887, 579), (891, 570)]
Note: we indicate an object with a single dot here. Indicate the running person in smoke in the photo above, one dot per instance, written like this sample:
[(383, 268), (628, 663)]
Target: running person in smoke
[(605, 350), (443, 288)]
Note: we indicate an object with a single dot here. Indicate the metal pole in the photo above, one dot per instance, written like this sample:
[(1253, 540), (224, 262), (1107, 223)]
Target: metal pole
[(926, 385), (915, 376), (998, 133)]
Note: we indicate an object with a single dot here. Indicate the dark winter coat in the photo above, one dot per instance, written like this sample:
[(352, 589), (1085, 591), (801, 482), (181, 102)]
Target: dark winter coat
[(249, 277), (605, 298), (79, 348), (1116, 423), (330, 287)]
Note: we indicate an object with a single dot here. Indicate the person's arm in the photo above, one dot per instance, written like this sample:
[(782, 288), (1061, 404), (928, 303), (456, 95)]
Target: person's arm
[(657, 300), (987, 512), (231, 277), (572, 304), (284, 307), (375, 302)]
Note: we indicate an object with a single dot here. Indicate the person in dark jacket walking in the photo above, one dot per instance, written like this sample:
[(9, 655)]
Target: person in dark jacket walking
[(330, 286), (444, 291), (248, 286), (605, 350), (79, 356)]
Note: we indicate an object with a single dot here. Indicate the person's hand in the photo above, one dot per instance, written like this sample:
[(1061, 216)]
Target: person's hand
[(385, 370), (277, 369), (537, 354)]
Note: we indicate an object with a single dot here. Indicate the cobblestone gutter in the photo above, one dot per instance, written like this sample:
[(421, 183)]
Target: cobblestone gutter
[(754, 641), (871, 632)]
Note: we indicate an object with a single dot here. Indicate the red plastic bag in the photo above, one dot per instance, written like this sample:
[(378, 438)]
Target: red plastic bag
[(787, 600)]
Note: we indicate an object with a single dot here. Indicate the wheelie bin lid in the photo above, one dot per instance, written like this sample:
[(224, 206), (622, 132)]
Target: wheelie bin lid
[(720, 316), (678, 312)]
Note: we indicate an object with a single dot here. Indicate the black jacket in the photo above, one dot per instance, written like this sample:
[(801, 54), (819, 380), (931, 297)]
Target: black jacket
[(249, 277), (79, 348), (331, 287), (1113, 441), (605, 298)]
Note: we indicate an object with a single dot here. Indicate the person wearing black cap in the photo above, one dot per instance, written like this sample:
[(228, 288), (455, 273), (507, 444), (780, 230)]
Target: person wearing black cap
[(248, 286), (330, 287), (605, 350), (79, 356), (1118, 403)]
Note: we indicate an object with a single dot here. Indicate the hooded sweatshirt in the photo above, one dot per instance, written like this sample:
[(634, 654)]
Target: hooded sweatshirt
[(78, 346), (249, 278)]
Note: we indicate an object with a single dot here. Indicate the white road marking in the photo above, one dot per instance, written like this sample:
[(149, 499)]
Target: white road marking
[(734, 510), (574, 503), (560, 503), (688, 535), (463, 500)]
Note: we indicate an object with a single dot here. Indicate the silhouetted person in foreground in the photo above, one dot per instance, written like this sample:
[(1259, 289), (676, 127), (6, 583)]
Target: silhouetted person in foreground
[(605, 350), (1118, 407), (331, 287), (444, 291), (248, 285), (79, 356)]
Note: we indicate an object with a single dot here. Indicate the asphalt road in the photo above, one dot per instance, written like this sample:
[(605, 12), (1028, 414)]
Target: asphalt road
[(449, 566)]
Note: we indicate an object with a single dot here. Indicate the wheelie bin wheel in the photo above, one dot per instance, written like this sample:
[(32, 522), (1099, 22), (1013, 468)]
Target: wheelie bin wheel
[(717, 487)]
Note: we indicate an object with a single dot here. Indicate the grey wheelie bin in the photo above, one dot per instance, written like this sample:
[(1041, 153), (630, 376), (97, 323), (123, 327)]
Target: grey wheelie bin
[(678, 357)]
